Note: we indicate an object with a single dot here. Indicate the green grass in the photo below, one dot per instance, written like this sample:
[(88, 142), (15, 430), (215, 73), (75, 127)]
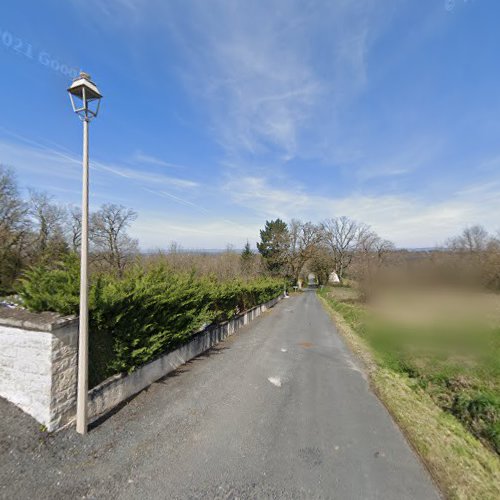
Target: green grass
[(440, 383), (459, 367)]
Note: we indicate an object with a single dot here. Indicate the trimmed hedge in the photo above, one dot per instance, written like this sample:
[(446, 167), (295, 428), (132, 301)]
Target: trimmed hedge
[(135, 319)]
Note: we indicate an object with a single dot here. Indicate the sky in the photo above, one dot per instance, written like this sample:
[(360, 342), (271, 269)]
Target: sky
[(218, 115)]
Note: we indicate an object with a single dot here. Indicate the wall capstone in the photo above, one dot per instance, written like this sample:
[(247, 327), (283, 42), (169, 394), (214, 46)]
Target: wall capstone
[(38, 364)]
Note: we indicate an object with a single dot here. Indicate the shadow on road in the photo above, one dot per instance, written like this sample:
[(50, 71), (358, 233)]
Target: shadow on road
[(216, 350)]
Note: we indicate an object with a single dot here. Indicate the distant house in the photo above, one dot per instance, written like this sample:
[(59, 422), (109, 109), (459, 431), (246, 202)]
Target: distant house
[(333, 278)]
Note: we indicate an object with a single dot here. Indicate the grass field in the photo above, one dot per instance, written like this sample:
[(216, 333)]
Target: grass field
[(434, 359)]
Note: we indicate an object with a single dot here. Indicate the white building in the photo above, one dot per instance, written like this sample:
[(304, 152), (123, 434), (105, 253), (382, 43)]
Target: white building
[(333, 278)]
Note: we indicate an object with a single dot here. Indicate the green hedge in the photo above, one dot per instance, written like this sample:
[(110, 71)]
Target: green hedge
[(135, 319)]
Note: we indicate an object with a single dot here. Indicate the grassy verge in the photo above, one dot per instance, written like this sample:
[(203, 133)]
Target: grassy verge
[(460, 463)]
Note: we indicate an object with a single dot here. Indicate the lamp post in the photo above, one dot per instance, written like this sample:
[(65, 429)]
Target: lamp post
[(85, 99)]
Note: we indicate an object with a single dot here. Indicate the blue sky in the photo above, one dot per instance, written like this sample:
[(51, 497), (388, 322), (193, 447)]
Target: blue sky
[(218, 115)]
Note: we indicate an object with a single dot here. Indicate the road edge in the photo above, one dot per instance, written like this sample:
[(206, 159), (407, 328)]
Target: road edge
[(437, 437)]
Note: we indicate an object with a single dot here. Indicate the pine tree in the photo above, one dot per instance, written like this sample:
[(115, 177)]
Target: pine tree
[(247, 253), (274, 246), (247, 258)]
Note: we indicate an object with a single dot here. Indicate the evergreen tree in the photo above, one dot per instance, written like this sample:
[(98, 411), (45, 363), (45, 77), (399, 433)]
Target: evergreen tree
[(247, 258), (274, 246), (247, 253)]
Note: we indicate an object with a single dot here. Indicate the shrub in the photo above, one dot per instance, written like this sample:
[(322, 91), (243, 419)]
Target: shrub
[(52, 289), (146, 313), (481, 411)]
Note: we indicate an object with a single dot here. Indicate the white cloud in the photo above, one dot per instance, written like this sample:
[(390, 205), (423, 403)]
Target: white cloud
[(53, 169), (114, 11), (191, 232), (260, 93), (58, 163), (140, 157), (275, 81), (266, 73), (402, 159), (146, 177), (408, 220)]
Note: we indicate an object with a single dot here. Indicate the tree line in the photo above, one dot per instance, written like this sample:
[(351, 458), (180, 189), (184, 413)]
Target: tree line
[(353, 250), (37, 230), (295, 249)]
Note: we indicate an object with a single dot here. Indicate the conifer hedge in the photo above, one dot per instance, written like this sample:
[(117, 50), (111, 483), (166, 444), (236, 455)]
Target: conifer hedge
[(146, 313)]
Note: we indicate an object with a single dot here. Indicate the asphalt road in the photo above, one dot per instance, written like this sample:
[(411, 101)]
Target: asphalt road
[(280, 410)]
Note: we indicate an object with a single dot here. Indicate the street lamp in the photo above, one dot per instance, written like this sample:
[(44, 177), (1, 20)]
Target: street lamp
[(85, 99)]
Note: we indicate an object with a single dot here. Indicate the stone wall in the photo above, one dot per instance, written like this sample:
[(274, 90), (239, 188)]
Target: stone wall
[(38, 364)]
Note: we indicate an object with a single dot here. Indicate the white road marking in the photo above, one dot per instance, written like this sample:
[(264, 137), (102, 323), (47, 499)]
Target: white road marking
[(284, 350), (275, 381)]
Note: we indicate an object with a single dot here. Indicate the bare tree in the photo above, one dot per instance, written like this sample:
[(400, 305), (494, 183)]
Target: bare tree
[(108, 234), (14, 229), (174, 248), (383, 248), (475, 255), (12, 208), (48, 219), (340, 234), (474, 239), (371, 256), (304, 239), (74, 228), (370, 243), (321, 264)]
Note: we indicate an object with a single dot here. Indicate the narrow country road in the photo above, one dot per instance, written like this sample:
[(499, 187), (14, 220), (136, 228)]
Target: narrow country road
[(280, 410)]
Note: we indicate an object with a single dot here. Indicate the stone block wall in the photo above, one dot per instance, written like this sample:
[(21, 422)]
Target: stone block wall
[(38, 364)]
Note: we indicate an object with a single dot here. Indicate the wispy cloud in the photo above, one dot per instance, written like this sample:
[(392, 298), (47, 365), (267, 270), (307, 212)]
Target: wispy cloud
[(191, 232), (165, 194), (26, 154), (111, 11), (140, 157), (253, 65), (146, 177), (409, 220), (402, 159), (301, 108), (54, 169), (277, 78), (260, 93), (273, 78), (46, 167), (196, 206)]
